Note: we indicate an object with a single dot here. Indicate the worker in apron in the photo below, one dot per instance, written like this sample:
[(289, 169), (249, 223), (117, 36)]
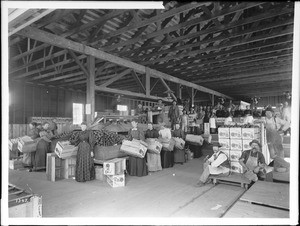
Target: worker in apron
[(253, 161), (274, 141), (217, 164)]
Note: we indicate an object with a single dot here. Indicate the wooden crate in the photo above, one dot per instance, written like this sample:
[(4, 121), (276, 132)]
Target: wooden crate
[(16, 164), (23, 204), (59, 168)]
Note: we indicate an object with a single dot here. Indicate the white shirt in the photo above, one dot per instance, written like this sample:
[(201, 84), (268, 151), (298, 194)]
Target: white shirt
[(165, 133), (212, 123), (228, 120), (220, 159), (248, 119)]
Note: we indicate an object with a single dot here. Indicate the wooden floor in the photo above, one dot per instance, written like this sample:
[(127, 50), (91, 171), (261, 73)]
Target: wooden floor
[(169, 193)]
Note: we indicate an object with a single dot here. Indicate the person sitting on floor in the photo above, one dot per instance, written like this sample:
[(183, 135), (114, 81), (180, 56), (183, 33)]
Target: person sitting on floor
[(253, 161), (217, 164)]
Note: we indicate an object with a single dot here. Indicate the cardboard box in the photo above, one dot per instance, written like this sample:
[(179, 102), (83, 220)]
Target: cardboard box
[(114, 167), (225, 143), (235, 133), (246, 144), (223, 133), (250, 133), (236, 167), (15, 164), (99, 173), (195, 139), (235, 155), (236, 144), (116, 180)]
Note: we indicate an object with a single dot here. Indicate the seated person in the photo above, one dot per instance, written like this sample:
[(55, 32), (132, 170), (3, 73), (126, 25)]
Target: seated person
[(253, 161), (217, 164)]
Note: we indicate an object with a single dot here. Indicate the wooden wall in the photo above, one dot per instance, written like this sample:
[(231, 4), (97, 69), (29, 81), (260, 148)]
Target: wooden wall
[(28, 100)]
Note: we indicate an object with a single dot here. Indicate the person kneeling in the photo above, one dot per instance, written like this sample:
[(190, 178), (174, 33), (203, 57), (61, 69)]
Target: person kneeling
[(217, 164), (253, 161)]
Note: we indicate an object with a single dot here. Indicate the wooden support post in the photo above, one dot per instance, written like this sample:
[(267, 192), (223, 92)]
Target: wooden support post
[(147, 82), (193, 100), (90, 94), (179, 91), (213, 100)]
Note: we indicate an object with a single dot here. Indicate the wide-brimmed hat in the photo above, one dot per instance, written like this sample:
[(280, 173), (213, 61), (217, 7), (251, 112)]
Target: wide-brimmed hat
[(256, 142), (217, 144)]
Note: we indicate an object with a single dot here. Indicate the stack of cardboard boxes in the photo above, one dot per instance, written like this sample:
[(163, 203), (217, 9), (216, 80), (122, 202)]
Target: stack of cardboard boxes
[(234, 141), (114, 171)]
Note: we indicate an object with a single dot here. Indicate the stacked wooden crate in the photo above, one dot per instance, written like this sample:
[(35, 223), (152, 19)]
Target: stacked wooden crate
[(22, 203), (58, 168), (114, 171), (234, 141)]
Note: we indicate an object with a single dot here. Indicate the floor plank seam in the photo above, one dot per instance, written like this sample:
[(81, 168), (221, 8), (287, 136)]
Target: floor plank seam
[(191, 201)]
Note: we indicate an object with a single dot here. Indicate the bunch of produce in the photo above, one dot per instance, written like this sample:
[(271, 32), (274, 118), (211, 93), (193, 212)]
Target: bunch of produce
[(63, 135), (107, 138), (240, 125)]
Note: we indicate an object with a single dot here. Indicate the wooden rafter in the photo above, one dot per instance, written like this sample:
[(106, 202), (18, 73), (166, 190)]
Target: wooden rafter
[(73, 55), (115, 78), (178, 26), (138, 81), (64, 43)]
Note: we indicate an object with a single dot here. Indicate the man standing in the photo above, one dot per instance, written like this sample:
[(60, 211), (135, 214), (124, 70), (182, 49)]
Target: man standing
[(253, 161), (217, 164), (173, 114)]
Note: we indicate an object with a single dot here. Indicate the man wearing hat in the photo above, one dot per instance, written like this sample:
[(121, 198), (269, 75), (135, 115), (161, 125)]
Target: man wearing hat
[(173, 114), (217, 164), (274, 141), (253, 161)]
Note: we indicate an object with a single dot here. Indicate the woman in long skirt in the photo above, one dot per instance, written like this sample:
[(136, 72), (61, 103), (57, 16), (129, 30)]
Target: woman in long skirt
[(136, 166), (153, 159), (43, 146), (85, 170), (179, 154), (167, 156)]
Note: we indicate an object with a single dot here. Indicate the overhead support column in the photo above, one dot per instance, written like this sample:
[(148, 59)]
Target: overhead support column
[(213, 100), (193, 99), (147, 82), (90, 90), (179, 91)]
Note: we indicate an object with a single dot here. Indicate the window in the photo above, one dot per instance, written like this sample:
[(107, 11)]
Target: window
[(121, 107), (77, 113)]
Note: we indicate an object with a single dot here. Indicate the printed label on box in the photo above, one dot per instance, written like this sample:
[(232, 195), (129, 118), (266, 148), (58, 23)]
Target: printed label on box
[(225, 143), (116, 180), (246, 145), (236, 144), (235, 155), (250, 133), (114, 166), (236, 167), (235, 133), (223, 133)]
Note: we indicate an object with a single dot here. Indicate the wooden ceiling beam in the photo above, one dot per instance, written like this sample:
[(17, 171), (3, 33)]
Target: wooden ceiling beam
[(83, 49), (73, 55), (223, 56), (13, 30), (223, 38), (115, 78), (218, 47), (239, 68), (239, 7), (205, 67), (240, 75), (129, 93), (154, 19), (138, 81)]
